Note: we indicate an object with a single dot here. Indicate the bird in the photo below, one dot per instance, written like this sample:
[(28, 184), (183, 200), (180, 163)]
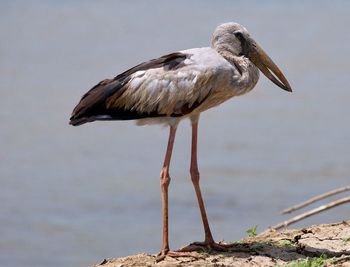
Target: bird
[(177, 86)]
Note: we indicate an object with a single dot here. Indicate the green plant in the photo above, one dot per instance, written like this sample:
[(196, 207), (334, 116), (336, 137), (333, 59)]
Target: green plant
[(309, 262), (252, 231)]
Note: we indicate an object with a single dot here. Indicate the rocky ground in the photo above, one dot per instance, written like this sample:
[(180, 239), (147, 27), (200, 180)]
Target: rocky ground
[(318, 245)]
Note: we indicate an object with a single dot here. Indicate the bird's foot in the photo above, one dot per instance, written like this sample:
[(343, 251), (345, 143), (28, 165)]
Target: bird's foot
[(212, 245), (178, 254)]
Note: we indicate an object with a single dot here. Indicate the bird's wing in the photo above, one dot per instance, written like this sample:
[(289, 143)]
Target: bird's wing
[(172, 85)]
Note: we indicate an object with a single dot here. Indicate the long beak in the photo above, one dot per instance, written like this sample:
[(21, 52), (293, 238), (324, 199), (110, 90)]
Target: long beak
[(258, 56)]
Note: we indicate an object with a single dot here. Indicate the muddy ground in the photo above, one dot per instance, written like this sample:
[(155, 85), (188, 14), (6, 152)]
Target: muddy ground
[(321, 245)]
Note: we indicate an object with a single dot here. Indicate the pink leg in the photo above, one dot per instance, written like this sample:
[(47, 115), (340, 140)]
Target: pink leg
[(164, 184), (195, 180), (209, 240)]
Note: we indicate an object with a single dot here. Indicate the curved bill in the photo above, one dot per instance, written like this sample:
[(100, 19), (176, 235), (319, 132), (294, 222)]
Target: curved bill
[(258, 56)]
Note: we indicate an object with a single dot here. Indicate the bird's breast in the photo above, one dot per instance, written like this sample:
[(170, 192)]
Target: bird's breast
[(231, 83)]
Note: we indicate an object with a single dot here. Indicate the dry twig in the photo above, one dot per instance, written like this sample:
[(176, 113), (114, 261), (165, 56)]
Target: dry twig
[(316, 198), (312, 212)]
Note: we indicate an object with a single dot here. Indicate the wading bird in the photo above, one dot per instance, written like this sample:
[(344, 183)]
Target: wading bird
[(181, 85)]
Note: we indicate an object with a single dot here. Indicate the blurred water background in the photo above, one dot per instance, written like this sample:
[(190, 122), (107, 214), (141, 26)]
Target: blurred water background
[(74, 196)]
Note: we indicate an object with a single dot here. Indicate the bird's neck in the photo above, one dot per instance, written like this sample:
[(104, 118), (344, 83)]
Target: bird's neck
[(249, 73)]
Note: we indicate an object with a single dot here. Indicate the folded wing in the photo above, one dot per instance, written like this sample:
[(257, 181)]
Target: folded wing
[(170, 86)]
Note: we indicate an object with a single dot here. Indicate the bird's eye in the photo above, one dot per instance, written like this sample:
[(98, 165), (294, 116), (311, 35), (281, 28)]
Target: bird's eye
[(242, 40), (239, 36)]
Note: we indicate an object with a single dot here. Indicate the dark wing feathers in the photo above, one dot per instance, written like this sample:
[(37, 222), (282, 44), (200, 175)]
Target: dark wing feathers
[(92, 105)]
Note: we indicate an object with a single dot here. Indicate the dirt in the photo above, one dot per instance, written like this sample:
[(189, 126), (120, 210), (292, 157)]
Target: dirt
[(329, 244)]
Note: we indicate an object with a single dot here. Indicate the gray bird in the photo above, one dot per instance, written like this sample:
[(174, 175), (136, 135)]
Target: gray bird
[(182, 85)]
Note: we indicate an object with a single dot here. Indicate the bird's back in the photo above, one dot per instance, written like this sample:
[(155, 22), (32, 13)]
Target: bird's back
[(173, 85)]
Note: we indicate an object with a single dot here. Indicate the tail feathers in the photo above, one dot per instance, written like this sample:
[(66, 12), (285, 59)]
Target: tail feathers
[(76, 121), (79, 121), (116, 115)]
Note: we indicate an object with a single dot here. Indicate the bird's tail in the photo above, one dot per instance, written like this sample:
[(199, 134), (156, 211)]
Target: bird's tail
[(78, 121)]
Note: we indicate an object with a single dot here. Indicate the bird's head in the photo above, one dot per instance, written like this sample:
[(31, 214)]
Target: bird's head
[(235, 39)]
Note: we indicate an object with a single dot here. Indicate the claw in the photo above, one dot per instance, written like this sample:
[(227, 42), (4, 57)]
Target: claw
[(179, 254)]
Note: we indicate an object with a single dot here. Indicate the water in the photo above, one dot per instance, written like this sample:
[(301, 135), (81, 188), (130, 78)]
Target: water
[(73, 196)]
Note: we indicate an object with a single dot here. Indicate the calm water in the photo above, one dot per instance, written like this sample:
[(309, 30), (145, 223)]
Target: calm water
[(73, 196)]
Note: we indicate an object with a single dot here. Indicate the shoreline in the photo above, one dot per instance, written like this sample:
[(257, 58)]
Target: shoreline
[(325, 244)]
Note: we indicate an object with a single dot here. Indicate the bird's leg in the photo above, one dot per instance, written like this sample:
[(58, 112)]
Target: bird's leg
[(195, 180), (164, 184), (209, 240)]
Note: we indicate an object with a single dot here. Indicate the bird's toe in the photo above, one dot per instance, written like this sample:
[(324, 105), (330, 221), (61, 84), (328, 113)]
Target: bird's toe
[(179, 254)]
